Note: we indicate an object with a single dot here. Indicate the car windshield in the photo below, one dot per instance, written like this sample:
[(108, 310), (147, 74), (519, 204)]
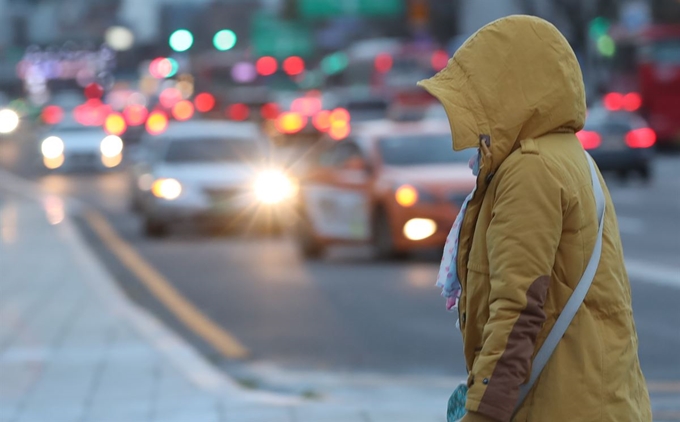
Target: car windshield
[(667, 52), (610, 123), (211, 150), (412, 150)]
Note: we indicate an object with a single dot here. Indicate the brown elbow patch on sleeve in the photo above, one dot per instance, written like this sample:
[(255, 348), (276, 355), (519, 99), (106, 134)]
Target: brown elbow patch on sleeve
[(502, 391)]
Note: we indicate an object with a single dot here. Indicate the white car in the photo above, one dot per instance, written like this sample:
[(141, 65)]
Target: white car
[(73, 146), (209, 172)]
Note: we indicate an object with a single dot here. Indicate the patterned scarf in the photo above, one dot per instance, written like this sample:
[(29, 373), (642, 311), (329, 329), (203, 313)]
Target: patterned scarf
[(447, 278)]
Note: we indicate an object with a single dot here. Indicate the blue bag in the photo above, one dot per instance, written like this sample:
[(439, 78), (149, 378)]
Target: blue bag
[(456, 408)]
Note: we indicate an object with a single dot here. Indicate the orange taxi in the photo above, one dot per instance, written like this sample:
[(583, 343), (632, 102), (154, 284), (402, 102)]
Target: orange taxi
[(396, 185)]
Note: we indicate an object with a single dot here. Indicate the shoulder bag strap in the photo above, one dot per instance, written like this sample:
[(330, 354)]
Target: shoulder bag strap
[(576, 299)]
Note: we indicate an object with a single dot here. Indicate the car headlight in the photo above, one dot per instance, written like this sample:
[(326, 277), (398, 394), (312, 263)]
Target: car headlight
[(273, 186), (52, 147), (111, 146), (166, 189), (419, 228), (9, 121)]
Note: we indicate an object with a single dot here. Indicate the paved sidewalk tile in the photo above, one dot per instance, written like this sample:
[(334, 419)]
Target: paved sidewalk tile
[(64, 355)]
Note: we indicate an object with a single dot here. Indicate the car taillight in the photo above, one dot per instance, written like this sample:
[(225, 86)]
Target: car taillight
[(632, 101), (641, 138), (589, 139), (613, 101)]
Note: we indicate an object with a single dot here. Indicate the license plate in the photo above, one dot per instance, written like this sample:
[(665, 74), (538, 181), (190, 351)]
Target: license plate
[(612, 143)]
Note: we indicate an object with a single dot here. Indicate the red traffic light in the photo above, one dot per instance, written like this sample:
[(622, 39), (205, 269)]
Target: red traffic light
[(266, 66), (293, 65)]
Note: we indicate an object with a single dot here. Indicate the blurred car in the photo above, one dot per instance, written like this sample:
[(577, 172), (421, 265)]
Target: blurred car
[(396, 185), (72, 146), (209, 172), (619, 141)]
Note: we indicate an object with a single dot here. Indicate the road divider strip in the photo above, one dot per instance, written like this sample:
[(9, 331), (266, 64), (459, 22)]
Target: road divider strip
[(181, 308), (653, 273)]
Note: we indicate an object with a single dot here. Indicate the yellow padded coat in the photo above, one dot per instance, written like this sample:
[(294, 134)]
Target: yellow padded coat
[(515, 90)]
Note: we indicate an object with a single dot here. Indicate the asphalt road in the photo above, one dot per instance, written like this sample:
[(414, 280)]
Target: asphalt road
[(347, 313)]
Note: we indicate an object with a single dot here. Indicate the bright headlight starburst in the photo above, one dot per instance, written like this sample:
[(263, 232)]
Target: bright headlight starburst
[(111, 146), (52, 147), (273, 186)]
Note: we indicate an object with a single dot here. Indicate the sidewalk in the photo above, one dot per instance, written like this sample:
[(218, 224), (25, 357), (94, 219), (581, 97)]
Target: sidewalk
[(74, 349)]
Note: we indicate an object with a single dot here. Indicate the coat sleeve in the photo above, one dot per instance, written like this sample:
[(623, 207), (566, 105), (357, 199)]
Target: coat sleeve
[(522, 241)]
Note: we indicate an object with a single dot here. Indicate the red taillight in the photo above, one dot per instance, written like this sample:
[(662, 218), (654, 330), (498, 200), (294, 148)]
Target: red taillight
[(238, 112), (383, 62), (632, 101), (52, 114), (589, 139), (204, 102), (641, 138), (135, 114), (613, 101), (269, 111)]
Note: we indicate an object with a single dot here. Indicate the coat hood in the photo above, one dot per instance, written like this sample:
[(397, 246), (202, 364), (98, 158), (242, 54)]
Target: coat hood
[(516, 78)]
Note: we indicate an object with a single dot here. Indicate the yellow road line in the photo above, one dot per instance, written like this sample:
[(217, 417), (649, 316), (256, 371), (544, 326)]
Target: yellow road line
[(184, 310)]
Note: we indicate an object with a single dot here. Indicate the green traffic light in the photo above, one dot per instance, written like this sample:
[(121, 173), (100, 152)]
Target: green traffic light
[(224, 40), (334, 63), (181, 40), (606, 46), (599, 27)]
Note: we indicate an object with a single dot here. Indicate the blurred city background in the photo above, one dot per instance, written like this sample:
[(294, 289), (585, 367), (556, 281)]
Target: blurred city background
[(265, 179)]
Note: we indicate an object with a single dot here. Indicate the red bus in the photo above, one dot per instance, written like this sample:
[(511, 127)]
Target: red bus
[(659, 80), (644, 74)]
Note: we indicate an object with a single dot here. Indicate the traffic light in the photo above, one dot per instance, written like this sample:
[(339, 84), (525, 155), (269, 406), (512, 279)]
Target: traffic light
[(224, 40), (599, 27), (266, 65), (293, 65), (334, 63), (606, 46), (181, 40)]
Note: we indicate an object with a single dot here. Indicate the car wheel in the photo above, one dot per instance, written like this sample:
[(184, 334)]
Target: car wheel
[(622, 175), (646, 174), (383, 242), (309, 246), (155, 228)]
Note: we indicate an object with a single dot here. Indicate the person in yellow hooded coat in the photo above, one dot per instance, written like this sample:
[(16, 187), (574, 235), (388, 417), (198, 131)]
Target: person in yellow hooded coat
[(515, 91)]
